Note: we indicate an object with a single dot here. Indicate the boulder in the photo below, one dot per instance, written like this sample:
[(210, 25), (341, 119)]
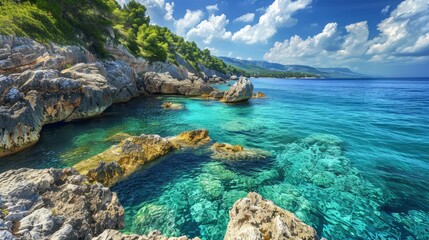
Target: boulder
[(255, 218), (56, 204), (171, 105), (225, 151), (132, 153), (240, 91), (154, 235), (234, 77)]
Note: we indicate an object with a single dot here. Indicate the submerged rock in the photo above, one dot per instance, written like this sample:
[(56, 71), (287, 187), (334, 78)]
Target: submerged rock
[(130, 154), (56, 204), (259, 95), (256, 218), (154, 235), (237, 152), (240, 91), (171, 105)]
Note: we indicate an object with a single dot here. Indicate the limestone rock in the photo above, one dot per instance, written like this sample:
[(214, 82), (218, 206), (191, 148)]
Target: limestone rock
[(130, 154), (229, 152), (56, 204), (259, 95), (191, 138), (240, 91), (217, 94), (34, 98), (171, 105), (156, 83), (255, 218), (154, 235), (234, 77)]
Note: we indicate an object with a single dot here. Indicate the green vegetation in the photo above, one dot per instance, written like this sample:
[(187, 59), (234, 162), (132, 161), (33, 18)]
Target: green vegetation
[(83, 22), (90, 23)]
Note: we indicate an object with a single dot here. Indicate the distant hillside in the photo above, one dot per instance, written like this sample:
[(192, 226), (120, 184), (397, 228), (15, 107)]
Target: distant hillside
[(267, 69)]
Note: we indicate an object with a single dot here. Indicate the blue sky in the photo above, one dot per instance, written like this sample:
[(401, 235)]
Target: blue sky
[(379, 37)]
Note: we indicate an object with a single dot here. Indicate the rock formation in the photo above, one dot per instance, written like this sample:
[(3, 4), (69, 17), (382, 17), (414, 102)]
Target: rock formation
[(225, 151), (162, 83), (154, 235), (130, 154), (217, 94), (240, 91), (61, 204), (259, 95), (42, 84), (254, 218), (55, 204), (171, 105)]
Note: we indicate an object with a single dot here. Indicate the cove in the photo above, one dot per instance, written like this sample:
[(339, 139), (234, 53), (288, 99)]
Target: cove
[(349, 157)]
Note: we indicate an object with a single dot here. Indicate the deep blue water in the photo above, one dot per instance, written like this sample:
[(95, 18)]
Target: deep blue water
[(349, 157)]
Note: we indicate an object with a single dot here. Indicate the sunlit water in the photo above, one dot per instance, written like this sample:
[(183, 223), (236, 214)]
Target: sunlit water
[(349, 157)]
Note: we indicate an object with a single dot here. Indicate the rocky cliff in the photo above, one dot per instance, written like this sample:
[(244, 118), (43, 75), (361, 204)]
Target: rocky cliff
[(42, 84)]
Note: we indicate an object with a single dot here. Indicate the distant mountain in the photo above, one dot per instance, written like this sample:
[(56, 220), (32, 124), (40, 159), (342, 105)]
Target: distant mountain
[(263, 68)]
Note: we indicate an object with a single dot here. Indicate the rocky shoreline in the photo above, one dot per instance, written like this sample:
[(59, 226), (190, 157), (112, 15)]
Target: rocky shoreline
[(43, 84), (62, 204)]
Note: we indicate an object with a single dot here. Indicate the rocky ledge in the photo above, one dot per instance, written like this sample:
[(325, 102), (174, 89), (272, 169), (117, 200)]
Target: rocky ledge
[(132, 153), (55, 204)]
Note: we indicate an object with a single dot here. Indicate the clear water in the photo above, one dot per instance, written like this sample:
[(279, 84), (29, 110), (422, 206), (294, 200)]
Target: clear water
[(349, 157)]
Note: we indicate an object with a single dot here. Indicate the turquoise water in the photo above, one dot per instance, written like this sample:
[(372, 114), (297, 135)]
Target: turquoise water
[(349, 157)]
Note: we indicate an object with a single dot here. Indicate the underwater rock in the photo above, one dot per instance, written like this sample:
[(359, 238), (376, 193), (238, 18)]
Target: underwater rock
[(117, 137), (154, 235), (153, 216), (55, 204), (256, 218), (171, 105), (259, 95), (240, 91), (204, 212), (133, 152), (237, 152), (211, 186)]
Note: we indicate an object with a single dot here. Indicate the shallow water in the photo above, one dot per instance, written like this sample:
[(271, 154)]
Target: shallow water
[(349, 157)]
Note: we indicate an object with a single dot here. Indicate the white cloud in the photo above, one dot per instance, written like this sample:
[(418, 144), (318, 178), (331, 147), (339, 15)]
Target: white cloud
[(212, 8), (169, 8), (385, 10), (207, 30), (188, 21), (246, 18), (278, 14), (403, 37)]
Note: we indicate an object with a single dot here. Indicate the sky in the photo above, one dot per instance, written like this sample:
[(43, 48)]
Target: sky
[(377, 37)]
